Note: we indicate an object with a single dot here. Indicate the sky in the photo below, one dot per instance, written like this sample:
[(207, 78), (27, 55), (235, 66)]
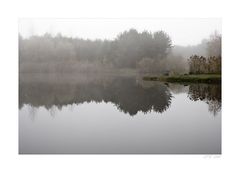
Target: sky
[(183, 31)]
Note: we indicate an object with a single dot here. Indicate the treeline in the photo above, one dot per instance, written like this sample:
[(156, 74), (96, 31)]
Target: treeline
[(210, 64), (145, 52), (47, 53)]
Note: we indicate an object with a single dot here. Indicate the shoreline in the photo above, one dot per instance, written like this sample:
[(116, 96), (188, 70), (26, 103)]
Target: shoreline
[(199, 78)]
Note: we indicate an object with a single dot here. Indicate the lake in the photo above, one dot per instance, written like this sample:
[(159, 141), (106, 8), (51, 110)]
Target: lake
[(105, 114)]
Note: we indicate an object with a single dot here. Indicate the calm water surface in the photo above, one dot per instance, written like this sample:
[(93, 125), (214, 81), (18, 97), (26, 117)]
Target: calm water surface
[(72, 114)]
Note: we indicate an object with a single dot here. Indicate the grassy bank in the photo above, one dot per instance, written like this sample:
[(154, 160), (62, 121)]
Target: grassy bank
[(201, 78)]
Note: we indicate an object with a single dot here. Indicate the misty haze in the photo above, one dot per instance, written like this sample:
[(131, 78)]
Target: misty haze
[(120, 86)]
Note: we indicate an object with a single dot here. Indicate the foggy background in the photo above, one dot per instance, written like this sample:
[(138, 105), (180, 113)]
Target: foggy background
[(131, 46), (183, 31)]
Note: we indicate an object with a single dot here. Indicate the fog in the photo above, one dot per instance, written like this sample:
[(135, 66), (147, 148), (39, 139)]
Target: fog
[(99, 45), (183, 31), (120, 68)]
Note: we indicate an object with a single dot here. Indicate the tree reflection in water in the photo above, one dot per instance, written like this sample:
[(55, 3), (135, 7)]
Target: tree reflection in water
[(208, 93), (211, 94), (129, 94), (125, 93)]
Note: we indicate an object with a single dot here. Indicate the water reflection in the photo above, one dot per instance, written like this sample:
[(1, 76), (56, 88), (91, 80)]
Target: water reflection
[(211, 94), (125, 93), (208, 93), (129, 95), (92, 115)]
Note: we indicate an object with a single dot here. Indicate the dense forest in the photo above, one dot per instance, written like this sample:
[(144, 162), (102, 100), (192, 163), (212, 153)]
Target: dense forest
[(145, 52)]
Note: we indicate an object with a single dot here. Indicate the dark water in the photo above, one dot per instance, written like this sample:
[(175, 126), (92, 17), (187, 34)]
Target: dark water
[(75, 114)]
